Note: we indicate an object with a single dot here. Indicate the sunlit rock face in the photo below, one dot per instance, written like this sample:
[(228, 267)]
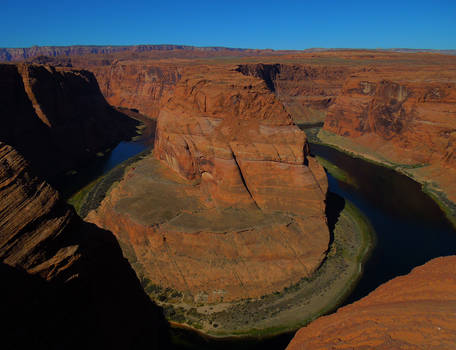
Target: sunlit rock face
[(406, 118), (306, 91), (416, 311)]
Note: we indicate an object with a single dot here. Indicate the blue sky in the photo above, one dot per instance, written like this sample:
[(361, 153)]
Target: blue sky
[(278, 24)]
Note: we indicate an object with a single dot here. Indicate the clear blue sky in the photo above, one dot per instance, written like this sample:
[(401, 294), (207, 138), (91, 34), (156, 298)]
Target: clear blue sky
[(281, 24)]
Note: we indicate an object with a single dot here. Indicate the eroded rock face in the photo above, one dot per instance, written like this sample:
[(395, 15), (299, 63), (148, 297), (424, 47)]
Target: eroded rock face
[(417, 119), (242, 211), (306, 91), (416, 311), (65, 283), (238, 139), (136, 85), (57, 118), (407, 119)]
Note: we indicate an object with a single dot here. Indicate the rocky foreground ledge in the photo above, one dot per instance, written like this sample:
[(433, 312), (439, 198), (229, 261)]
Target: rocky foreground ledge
[(416, 311)]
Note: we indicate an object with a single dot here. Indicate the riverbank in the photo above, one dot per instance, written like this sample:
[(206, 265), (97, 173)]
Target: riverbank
[(428, 176)]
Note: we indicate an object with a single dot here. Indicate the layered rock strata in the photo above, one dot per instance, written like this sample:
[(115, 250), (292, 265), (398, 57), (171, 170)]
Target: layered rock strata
[(305, 90), (235, 208), (137, 85), (407, 121), (65, 283), (416, 311), (57, 118)]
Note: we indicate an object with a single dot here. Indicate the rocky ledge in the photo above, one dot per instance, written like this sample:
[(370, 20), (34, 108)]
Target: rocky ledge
[(416, 311)]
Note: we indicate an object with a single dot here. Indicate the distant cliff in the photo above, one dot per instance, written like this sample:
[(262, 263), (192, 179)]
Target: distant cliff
[(21, 54)]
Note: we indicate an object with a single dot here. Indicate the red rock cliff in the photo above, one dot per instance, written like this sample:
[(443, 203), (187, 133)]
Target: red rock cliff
[(407, 118), (136, 85), (416, 311), (305, 90)]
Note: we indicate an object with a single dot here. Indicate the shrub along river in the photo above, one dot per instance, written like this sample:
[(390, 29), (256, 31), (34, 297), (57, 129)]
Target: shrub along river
[(411, 229)]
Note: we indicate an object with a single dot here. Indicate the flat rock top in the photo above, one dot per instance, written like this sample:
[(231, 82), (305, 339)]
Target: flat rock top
[(152, 194)]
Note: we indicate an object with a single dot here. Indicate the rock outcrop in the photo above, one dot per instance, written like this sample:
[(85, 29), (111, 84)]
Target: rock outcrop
[(57, 118), (65, 283), (416, 311), (305, 90), (241, 214)]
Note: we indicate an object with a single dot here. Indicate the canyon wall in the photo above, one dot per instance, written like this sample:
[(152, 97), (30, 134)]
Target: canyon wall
[(136, 85), (305, 90), (235, 207), (415, 311), (415, 120), (65, 283), (406, 120), (57, 118)]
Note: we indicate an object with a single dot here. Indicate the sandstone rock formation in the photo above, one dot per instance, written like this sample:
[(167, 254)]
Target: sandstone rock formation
[(65, 283), (416, 311), (245, 215), (406, 120), (57, 118), (305, 90), (136, 85)]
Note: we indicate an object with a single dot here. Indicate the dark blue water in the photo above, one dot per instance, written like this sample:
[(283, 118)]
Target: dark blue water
[(411, 229)]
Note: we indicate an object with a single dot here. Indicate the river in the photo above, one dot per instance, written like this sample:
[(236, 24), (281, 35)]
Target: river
[(411, 229)]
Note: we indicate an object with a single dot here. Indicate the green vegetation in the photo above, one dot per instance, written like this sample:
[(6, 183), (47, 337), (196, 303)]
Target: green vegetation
[(79, 197)]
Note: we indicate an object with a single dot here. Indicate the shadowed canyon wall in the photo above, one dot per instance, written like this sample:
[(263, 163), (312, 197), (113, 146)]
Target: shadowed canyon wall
[(65, 283), (57, 118)]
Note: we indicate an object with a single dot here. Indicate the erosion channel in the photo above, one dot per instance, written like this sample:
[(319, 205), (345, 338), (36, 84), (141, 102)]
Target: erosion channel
[(363, 198)]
